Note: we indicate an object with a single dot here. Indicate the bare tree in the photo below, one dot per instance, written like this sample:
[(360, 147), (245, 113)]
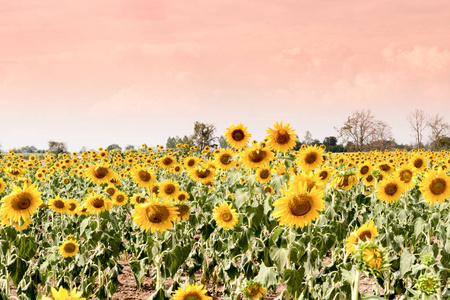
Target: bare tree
[(358, 129), (439, 130), (381, 137), (204, 135), (418, 122)]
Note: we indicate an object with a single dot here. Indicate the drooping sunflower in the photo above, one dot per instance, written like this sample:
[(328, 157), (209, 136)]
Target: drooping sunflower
[(370, 258), (254, 290), (310, 158), (224, 159), (63, 294), (299, 209), (143, 176), (345, 180), (72, 206), (120, 199), (58, 205), (281, 138), (155, 215), (263, 174), (256, 156), (169, 189), (237, 136), (21, 203), (100, 173), (225, 215), (366, 232), (191, 292), (97, 204), (69, 248), (390, 190), (183, 211), (7, 222), (310, 179), (435, 186)]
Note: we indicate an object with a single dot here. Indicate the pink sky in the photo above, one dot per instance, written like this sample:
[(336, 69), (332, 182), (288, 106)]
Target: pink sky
[(130, 72)]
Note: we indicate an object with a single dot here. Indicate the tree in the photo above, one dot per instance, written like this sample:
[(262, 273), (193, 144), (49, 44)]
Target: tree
[(57, 147), (83, 149), (114, 146), (439, 129), (204, 135), (381, 137), (308, 138), (330, 141), (130, 147), (418, 122), (223, 142), (358, 129)]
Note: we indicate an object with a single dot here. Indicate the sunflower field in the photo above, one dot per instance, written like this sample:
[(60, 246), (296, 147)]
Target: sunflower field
[(257, 220)]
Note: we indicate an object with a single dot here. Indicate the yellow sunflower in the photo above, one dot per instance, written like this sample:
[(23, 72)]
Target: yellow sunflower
[(281, 138), (82, 210), (225, 216), (369, 181), (372, 257), (155, 215), (419, 161), (254, 290), (202, 174), (364, 170), (58, 205), (256, 156), (310, 158), (63, 294), (21, 203), (167, 161), (182, 196), (237, 136), (137, 199), (97, 204), (191, 292), (366, 232), (2, 186), (345, 181), (111, 190), (144, 177), (224, 159), (435, 186), (72, 206), (191, 162), (120, 199), (310, 179), (177, 169), (407, 175), (69, 248), (299, 209), (268, 189), (324, 174), (169, 189), (263, 174), (100, 173), (390, 190), (7, 222)]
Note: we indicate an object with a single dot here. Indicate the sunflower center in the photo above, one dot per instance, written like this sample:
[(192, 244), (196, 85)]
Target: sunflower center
[(111, 191), (182, 197), (323, 175), (183, 210), (252, 290), (438, 186), (203, 173), (267, 190), (167, 161), (59, 204), (191, 162), (282, 136), (169, 189), (157, 213), (120, 198), (177, 169), (385, 167), (238, 135), (364, 170), (418, 163), (264, 174), (144, 176), (72, 206), (257, 156), (226, 216), (369, 178), (390, 189), (69, 248), (365, 235), (192, 296), (140, 199), (310, 158), (300, 205), (15, 172), (225, 159), (406, 176), (155, 190), (98, 203), (100, 172), (22, 201)]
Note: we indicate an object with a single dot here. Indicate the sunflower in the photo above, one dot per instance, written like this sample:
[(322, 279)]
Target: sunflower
[(281, 138), (111, 190), (299, 209), (256, 156), (177, 169), (224, 159), (63, 294), (72, 206), (169, 189), (310, 158), (156, 216), (144, 177), (69, 248), (407, 175), (364, 170), (97, 204), (225, 215), (311, 180), (390, 190), (369, 181), (202, 174), (137, 199), (237, 136), (183, 211), (82, 210), (268, 189), (324, 174), (120, 199), (191, 162), (167, 161), (7, 222), (373, 257), (58, 205), (182, 196), (263, 174), (100, 173), (2, 185), (419, 161), (366, 232), (254, 290), (191, 292), (345, 181), (435, 186), (21, 203)]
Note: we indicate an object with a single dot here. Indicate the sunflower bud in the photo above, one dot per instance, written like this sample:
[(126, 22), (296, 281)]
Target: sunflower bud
[(428, 284)]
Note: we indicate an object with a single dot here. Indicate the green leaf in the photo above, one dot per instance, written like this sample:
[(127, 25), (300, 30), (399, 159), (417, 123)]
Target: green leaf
[(17, 269), (159, 295), (279, 256), (294, 279), (267, 276), (177, 257), (84, 225), (139, 269), (241, 196), (406, 262), (26, 247)]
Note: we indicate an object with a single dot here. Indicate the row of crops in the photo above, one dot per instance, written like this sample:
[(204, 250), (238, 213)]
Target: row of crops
[(234, 223)]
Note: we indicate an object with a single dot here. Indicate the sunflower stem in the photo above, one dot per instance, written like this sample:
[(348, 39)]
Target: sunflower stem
[(355, 289)]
